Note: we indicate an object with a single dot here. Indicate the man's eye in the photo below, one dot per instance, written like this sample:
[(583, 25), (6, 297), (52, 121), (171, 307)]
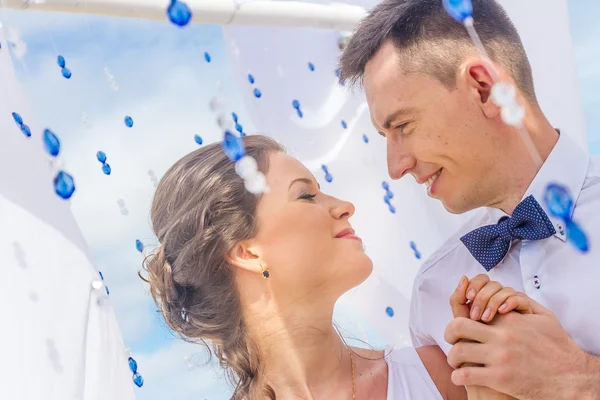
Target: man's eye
[(401, 127)]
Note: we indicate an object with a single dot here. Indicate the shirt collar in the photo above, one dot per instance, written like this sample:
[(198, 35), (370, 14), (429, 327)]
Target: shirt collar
[(566, 165)]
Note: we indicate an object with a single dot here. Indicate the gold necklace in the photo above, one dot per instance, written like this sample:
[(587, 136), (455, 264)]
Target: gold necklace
[(353, 383)]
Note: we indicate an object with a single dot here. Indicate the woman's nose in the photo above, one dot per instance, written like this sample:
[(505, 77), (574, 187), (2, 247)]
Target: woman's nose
[(342, 209)]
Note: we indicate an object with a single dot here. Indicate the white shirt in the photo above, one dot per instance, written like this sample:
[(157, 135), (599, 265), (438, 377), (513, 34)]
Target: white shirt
[(407, 377), (550, 271)]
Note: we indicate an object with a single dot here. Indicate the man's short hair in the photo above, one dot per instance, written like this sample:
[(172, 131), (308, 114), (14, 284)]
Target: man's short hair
[(428, 40)]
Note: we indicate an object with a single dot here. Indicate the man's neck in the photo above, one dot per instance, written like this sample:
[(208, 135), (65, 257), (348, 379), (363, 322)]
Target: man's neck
[(521, 173)]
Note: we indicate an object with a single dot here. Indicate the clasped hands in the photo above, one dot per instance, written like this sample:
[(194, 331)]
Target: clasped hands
[(526, 354)]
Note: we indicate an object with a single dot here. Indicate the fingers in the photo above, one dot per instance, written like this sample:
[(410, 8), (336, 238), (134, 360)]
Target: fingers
[(464, 328), (537, 308), (472, 376), (518, 302), (481, 301), (476, 284), (458, 299), (466, 353), (505, 300)]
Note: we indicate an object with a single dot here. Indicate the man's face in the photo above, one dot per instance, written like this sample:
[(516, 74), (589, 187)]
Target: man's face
[(440, 137)]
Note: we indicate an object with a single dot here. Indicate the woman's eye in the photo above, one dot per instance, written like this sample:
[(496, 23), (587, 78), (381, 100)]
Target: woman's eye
[(307, 196)]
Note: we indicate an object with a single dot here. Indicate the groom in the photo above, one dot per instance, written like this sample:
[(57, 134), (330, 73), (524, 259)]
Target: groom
[(429, 95)]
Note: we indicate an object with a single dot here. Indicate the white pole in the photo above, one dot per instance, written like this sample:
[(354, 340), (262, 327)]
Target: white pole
[(254, 12)]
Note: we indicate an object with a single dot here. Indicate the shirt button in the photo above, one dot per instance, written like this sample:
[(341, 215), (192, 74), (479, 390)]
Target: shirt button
[(536, 282)]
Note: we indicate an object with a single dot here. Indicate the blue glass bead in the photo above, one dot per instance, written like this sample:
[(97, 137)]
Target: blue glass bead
[(257, 93), (239, 128), (64, 185), (179, 13), (337, 73), (328, 177), (26, 130), (365, 139), (139, 246), (242, 134), (235, 117), (251, 79), (418, 254), (107, 291), (392, 209), (311, 66), (385, 185), (66, 72), (106, 169), (386, 199), (138, 380), (128, 121), (324, 168), (559, 201), (198, 139), (389, 194), (413, 245), (51, 143), (389, 311), (18, 119), (207, 57), (61, 62), (233, 146), (296, 104), (577, 237), (344, 124), (101, 157), (132, 365), (459, 9), (101, 276), (300, 113)]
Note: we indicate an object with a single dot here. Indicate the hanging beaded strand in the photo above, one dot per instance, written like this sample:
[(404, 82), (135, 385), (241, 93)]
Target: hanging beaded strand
[(503, 93)]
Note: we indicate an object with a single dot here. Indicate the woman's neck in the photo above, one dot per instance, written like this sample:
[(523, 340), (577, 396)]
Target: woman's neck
[(302, 354)]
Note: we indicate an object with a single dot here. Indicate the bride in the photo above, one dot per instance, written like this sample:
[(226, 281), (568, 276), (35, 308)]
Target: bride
[(258, 277)]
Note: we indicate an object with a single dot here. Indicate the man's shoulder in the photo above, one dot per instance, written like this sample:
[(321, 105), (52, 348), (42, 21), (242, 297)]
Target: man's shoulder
[(453, 244), (593, 174)]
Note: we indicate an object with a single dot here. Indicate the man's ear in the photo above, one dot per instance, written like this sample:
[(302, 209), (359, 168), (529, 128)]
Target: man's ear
[(245, 255), (478, 76)]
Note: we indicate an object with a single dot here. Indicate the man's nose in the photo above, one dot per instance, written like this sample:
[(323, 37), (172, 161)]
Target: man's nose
[(399, 160)]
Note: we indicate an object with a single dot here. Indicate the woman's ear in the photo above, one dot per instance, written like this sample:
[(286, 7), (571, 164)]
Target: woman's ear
[(244, 255), (478, 76)]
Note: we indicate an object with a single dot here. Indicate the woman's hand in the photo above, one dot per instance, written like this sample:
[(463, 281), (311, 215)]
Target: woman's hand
[(481, 299)]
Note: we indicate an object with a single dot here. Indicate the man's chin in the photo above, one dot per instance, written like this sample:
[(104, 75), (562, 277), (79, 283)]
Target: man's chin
[(454, 208)]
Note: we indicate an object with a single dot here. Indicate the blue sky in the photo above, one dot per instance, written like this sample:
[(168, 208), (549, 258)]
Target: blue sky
[(165, 84)]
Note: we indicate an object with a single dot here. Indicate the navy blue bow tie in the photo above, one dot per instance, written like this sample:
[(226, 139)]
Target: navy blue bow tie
[(490, 244)]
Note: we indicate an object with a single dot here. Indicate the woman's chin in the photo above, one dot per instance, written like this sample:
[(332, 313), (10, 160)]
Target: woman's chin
[(360, 272)]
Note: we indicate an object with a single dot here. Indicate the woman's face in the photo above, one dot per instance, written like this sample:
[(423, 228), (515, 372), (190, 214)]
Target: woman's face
[(305, 237)]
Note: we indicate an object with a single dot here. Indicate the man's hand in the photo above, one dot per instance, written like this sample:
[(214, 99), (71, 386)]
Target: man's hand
[(528, 356), (488, 296)]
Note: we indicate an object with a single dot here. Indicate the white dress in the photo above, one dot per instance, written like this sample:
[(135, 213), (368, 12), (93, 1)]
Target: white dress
[(407, 377)]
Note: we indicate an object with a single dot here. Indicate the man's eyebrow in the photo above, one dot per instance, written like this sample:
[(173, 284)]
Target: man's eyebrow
[(396, 115)]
